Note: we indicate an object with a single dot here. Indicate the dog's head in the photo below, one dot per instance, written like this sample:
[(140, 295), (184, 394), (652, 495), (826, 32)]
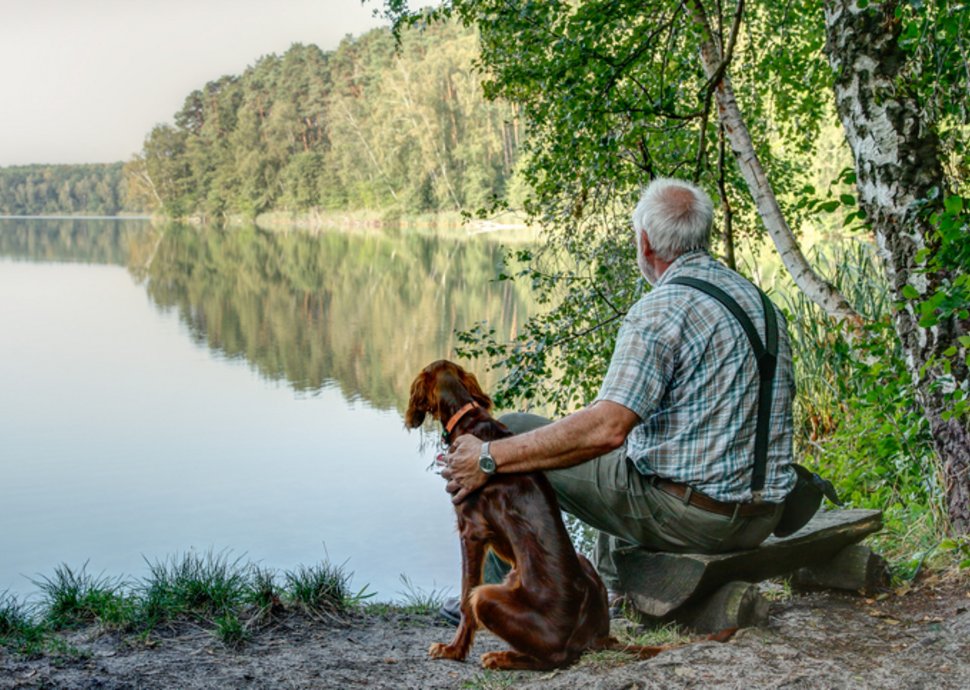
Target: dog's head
[(441, 386)]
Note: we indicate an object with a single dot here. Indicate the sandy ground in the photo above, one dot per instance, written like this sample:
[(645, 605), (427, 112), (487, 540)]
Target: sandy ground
[(917, 637)]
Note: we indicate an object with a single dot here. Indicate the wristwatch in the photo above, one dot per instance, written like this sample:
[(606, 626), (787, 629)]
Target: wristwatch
[(486, 463)]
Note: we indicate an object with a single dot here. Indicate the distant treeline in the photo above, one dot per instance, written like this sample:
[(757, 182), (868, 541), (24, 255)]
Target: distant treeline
[(97, 189), (363, 127)]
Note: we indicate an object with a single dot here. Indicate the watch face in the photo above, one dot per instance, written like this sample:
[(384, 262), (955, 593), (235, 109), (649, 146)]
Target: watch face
[(486, 464)]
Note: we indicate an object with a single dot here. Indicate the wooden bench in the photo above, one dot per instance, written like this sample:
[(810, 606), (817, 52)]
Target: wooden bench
[(713, 592)]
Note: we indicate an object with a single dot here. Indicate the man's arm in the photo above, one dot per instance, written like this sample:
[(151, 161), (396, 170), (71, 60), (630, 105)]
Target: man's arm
[(583, 435)]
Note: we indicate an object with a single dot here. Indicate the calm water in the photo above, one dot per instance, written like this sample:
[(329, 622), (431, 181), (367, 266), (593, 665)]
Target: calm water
[(168, 388)]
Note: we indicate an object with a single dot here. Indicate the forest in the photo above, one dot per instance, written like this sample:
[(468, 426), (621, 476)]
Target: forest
[(862, 235), (371, 125), (92, 189)]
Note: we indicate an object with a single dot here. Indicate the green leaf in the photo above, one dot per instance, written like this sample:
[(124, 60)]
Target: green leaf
[(909, 292), (847, 199), (953, 205)]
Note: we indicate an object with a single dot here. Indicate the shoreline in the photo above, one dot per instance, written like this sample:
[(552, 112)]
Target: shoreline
[(912, 637), (506, 227)]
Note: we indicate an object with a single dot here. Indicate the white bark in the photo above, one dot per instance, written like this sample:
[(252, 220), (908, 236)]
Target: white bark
[(817, 289), (897, 163)]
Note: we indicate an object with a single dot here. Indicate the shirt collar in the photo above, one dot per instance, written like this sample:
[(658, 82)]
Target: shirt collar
[(691, 258)]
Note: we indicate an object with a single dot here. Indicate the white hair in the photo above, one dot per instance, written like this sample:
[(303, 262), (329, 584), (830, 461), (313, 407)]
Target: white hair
[(674, 227)]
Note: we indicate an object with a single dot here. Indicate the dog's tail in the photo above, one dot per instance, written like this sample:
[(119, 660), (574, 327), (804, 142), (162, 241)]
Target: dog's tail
[(650, 651)]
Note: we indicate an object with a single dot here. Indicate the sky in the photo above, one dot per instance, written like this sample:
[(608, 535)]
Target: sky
[(84, 81)]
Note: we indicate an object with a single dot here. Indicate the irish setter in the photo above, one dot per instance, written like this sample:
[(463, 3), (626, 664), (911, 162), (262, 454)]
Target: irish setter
[(552, 606)]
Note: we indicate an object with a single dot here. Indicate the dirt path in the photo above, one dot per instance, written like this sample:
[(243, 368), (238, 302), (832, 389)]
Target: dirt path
[(914, 639)]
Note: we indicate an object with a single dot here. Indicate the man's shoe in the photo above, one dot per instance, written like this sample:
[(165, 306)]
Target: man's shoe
[(451, 610)]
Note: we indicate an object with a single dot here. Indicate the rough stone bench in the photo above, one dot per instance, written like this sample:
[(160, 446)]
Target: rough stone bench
[(714, 592)]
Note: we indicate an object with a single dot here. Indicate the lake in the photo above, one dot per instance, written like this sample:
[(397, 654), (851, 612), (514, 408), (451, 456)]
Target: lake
[(168, 388)]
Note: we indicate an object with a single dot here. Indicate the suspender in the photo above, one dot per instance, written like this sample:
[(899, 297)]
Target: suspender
[(767, 357)]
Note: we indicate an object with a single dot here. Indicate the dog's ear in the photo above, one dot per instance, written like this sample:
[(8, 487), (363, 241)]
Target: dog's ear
[(470, 383), (419, 403)]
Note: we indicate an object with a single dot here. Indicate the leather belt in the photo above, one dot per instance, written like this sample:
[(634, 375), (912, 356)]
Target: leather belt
[(705, 502)]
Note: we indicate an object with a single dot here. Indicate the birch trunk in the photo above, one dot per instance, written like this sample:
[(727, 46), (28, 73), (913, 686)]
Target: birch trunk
[(897, 162), (814, 286)]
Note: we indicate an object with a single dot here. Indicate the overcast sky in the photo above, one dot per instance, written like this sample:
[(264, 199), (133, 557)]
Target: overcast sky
[(83, 81)]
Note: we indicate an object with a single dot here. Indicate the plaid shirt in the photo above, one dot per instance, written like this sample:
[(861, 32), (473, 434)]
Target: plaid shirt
[(683, 364)]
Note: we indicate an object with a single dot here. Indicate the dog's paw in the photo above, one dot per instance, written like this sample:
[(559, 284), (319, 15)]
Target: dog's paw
[(440, 650), (493, 660)]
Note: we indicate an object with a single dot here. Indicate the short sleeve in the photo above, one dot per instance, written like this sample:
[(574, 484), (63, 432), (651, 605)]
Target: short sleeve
[(642, 365)]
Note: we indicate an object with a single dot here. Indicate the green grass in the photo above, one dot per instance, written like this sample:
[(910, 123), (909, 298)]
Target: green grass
[(195, 585), (75, 597), (857, 421), (231, 630), (264, 592), (224, 594), (18, 630), (417, 600), (670, 633), (322, 589), (491, 680)]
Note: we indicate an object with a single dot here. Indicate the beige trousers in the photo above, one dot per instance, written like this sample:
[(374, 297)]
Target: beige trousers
[(609, 494)]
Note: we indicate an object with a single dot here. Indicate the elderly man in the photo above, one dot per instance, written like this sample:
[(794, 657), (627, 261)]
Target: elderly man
[(663, 458)]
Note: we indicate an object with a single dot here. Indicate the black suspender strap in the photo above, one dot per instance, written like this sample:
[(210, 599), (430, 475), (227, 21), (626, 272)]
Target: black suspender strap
[(767, 357)]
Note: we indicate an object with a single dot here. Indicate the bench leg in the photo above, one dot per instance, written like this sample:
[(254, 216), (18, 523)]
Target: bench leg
[(735, 605), (855, 568)]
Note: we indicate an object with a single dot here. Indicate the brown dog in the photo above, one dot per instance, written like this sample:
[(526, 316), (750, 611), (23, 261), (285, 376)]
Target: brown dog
[(552, 606)]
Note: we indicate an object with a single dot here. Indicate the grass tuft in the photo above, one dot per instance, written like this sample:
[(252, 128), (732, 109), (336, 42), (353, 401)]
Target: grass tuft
[(670, 633), (231, 631), (13, 615), (200, 586), (72, 598), (20, 632), (417, 600), (323, 588)]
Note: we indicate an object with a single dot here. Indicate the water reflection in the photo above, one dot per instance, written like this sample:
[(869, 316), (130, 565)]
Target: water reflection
[(131, 423), (359, 312)]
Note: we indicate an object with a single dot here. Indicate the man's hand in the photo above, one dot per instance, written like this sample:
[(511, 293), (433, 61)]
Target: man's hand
[(462, 471)]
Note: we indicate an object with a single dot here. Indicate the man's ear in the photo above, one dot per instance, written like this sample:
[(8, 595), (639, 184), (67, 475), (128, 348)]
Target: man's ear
[(643, 244)]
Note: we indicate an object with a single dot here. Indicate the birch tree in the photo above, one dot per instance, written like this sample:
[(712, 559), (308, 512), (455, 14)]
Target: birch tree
[(886, 96)]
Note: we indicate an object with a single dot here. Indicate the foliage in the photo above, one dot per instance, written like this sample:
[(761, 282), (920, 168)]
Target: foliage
[(949, 303), (96, 189), (857, 418), (364, 126), (614, 95)]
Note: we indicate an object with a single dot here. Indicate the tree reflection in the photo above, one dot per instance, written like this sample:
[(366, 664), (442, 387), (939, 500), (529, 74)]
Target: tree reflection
[(361, 312)]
